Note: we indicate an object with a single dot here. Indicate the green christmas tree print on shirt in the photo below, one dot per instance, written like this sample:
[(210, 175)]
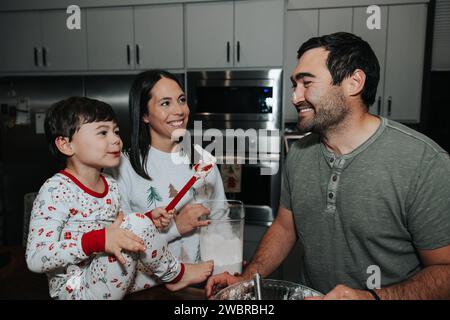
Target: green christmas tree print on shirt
[(193, 193), (153, 196)]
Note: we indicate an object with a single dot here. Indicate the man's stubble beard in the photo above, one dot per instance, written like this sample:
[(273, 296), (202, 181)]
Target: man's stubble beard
[(329, 112)]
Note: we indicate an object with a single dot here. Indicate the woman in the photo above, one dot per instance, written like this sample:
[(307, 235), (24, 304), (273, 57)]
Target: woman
[(154, 169)]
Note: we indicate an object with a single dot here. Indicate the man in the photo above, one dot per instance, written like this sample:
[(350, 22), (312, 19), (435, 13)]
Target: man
[(360, 193)]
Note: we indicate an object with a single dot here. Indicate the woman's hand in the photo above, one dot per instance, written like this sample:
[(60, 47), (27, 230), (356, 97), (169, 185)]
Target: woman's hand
[(188, 218), (117, 239)]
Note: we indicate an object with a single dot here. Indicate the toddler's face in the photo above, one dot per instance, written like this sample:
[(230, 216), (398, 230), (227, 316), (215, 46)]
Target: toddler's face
[(97, 145)]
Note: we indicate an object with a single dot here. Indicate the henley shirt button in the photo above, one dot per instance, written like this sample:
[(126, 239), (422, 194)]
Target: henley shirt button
[(334, 178), (331, 159), (330, 195)]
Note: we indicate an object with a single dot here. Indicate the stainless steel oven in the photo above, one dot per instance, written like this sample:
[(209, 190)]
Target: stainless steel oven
[(236, 98), (241, 109)]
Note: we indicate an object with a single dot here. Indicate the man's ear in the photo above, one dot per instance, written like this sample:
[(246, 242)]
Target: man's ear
[(64, 146), (354, 84)]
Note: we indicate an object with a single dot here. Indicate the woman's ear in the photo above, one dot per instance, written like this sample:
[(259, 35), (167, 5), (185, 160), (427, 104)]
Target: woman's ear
[(355, 83), (64, 146), (145, 118)]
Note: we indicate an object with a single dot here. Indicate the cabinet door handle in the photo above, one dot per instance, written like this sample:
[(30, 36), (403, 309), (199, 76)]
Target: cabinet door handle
[(238, 51), (128, 54), (138, 58), (44, 56), (228, 51), (36, 58), (379, 106), (389, 106)]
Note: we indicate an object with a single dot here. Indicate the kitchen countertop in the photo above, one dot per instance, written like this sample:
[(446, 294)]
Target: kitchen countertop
[(18, 283)]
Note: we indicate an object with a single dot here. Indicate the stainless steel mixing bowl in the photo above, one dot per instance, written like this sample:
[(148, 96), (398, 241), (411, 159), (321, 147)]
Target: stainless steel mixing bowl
[(270, 290)]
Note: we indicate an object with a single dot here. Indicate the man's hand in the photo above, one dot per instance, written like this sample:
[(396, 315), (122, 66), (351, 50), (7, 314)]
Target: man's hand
[(161, 218), (220, 281), (117, 239), (188, 218), (342, 292)]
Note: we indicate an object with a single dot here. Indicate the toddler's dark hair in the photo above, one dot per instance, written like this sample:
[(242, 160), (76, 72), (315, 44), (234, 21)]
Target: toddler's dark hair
[(65, 117)]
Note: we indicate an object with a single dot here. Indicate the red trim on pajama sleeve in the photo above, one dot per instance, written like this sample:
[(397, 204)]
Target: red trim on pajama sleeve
[(93, 241), (179, 276)]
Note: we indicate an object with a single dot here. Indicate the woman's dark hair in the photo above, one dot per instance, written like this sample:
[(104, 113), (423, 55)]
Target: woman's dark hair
[(347, 53), (140, 94), (65, 117)]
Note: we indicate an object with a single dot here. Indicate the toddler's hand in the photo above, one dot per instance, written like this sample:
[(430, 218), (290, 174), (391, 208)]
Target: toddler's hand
[(117, 239), (161, 218)]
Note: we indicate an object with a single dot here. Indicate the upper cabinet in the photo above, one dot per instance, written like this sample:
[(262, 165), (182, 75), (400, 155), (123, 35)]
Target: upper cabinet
[(399, 46), (221, 35), (210, 34), (334, 20), (158, 36), (126, 38), (110, 38), (300, 26), (404, 62), (259, 33), (40, 41), (20, 43), (235, 34), (377, 40), (62, 48)]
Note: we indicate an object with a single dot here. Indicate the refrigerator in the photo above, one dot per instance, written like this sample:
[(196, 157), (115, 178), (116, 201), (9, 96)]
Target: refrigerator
[(25, 162)]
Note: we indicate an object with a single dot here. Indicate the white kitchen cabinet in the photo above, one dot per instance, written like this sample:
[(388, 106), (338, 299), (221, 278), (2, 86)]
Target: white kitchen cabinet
[(158, 35), (110, 38), (335, 20), (404, 62), (399, 46), (209, 34), (40, 41), (141, 37), (300, 26), (235, 34), (63, 49), (259, 33), (20, 36), (377, 40)]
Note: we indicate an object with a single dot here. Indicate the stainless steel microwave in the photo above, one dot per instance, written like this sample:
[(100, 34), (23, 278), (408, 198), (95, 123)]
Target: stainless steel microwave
[(236, 98)]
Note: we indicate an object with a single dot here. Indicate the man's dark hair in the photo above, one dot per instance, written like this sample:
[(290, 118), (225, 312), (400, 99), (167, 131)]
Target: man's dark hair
[(65, 117), (347, 53)]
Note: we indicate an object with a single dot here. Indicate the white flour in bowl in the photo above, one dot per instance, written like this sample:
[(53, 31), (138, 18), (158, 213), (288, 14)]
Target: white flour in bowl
[(225, 251)]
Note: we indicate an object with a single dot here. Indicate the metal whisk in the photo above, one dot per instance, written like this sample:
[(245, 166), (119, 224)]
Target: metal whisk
[(257, 283)]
